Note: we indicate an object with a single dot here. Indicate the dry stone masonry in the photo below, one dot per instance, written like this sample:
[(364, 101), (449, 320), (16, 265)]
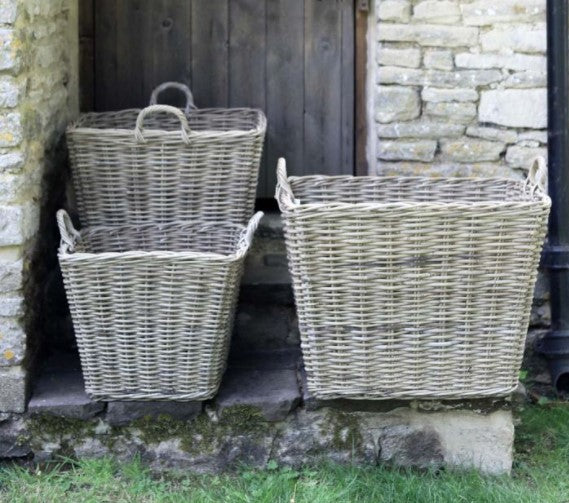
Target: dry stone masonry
[(34, 104), (459, 86)]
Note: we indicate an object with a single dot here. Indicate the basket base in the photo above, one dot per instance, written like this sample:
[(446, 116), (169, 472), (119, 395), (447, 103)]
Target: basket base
[(314, 392), (152, 397)]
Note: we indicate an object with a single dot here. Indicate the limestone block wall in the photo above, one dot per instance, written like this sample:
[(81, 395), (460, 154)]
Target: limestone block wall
[(37, 95), (459, 87)]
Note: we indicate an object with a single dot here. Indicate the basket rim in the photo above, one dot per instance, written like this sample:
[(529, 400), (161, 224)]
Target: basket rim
[(243, 239), (364, 178), (539, 198), (137, 254), (260, 127), (544, 201)]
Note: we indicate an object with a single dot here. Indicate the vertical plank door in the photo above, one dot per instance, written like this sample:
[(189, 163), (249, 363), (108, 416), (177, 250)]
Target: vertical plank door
[(294, 59)]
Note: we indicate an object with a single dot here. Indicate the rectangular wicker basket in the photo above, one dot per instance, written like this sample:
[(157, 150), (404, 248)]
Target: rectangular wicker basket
[(163, 164), (410, 287), (153, 305)]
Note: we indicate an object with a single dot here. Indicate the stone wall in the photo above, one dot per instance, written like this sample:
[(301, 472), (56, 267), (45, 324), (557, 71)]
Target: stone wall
[(36, 54), (459, 86)]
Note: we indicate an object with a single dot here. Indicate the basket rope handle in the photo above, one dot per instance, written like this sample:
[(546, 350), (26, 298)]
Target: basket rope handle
[(283, 192), (247, 236), (69, 235), (190, 105), (153, 109), (537, 175)]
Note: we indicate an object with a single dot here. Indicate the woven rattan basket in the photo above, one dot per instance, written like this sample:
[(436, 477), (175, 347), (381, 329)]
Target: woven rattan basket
[(152, 306), (162, 164), (413, 287)]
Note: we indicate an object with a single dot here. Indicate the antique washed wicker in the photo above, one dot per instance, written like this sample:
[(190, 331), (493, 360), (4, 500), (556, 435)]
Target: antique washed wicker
[(410, 287), (152, 305), (162, 164)]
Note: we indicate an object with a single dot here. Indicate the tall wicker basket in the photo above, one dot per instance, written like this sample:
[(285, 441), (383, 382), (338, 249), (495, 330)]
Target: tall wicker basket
[(153, 305), (411, 287), (162, 164)]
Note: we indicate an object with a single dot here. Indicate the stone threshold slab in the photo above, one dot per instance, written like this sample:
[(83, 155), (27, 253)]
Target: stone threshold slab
[(241, 436), (259, 415)]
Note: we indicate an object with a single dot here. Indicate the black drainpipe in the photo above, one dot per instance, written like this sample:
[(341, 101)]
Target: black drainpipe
[(555, 345)]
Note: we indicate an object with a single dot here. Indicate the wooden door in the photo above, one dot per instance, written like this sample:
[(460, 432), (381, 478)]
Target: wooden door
[(294, 59)]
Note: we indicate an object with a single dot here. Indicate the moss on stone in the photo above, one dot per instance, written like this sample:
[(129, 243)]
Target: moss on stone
[(155, 430), (66, 431), (243, 418), (202, 435), (345, 430), (198, 436), (46, 426)]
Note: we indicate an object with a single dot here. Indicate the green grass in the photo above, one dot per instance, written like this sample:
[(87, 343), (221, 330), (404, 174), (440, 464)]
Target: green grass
[(541, 475)]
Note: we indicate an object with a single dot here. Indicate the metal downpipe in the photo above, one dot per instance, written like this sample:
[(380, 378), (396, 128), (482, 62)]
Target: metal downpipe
[(555, 345)]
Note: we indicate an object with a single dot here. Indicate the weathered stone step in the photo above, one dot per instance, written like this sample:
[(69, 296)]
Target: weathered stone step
[(257, 417)]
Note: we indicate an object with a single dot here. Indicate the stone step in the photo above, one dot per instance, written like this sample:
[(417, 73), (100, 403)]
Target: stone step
[(124, 413), (265, 380), (266, 319), (61, 393), (257, 417), (273, 392)]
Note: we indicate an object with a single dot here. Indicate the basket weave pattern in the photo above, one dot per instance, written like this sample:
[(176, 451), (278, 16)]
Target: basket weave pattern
[(411, 287), (161, 165), (153, 305)]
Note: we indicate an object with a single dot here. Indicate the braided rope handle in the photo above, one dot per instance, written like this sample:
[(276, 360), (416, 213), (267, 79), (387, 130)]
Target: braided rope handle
[(247, 236), (537, 175), (69, 235), (283, 192), (190, 105), (154, 109)]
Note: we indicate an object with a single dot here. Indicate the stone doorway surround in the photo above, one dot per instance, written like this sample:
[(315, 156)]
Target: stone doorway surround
[(38, 97)]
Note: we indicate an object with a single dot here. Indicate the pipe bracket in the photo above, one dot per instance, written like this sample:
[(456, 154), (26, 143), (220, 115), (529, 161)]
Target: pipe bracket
[(555, 258)]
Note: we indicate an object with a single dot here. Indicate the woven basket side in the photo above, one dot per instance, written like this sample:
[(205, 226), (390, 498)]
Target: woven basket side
[(153, 325), (159, 165), (415, 305), (120, 182), (421, 298), (152, 330)]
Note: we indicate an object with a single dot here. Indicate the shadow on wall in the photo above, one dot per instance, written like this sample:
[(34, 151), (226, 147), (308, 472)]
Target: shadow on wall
[(46, 316)]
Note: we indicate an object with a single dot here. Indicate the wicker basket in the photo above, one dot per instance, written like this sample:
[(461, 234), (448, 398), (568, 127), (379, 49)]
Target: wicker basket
[(411, 287), (162, 165), (153, 306)]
